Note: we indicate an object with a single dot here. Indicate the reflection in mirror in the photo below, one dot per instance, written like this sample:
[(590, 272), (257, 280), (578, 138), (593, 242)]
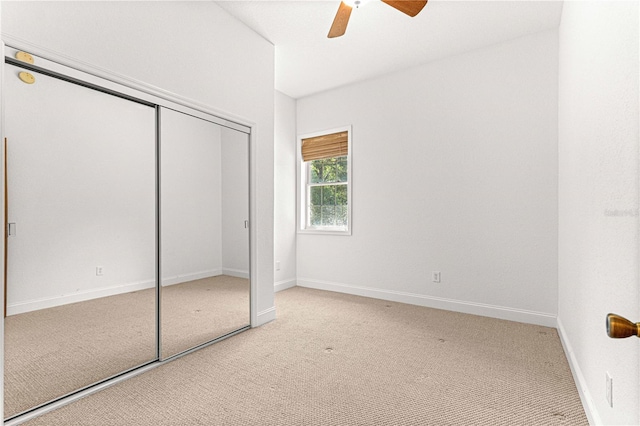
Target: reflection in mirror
[(204, 195), (81, 256)]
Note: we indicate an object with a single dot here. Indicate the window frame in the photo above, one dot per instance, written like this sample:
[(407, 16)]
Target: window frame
[(304, 186)]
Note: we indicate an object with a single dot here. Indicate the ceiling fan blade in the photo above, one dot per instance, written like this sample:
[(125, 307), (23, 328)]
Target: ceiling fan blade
[(409, 7), (341, 20)]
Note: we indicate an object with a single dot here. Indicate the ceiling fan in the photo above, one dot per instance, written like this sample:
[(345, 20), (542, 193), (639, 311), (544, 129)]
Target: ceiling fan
[(339, 26)]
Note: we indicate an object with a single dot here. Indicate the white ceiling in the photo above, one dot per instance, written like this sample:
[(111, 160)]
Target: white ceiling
[(379, 39)]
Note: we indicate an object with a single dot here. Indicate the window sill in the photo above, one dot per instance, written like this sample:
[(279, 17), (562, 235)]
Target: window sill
[(326, 231)]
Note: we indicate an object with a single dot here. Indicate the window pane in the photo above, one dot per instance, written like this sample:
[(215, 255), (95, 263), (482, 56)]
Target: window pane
[(341, 215), (315, 196), (341, 195), (328, 192), (342, 169), (328, 216), (328, 195), (328, 170), (315, 216), (315, 171)]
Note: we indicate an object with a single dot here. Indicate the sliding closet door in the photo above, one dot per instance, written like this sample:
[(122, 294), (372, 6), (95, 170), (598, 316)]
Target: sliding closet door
[(204, 193), (81, 297)]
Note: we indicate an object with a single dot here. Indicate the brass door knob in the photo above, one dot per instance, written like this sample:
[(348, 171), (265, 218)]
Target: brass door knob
[(619, 327)]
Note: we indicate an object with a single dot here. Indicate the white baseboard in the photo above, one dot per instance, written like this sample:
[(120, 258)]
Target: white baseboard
[(50, 302), (82, 296), (265, 316), (585, 396), (179, 279), (500, 312), (284, 284), (235, 273)]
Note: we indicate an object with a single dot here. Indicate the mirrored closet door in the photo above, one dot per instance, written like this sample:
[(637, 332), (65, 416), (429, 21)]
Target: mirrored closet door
[(204, 261), (81, 267), (128, 234)]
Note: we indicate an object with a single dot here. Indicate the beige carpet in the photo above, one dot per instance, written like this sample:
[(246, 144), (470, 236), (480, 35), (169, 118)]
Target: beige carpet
[(198, 311), (51, 352), (333, 359)]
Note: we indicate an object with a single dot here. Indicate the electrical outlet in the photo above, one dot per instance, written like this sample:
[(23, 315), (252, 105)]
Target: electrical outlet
[(609, 390), (435, 276), (99, 271), (277, 265)]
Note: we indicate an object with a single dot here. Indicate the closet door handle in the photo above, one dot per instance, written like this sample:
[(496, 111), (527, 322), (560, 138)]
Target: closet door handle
[(619, 327)]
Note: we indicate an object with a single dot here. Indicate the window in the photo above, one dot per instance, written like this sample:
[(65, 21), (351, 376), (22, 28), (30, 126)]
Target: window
[(325, 175)]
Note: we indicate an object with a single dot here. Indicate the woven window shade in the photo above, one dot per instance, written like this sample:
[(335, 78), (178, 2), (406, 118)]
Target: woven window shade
[(325, 146)]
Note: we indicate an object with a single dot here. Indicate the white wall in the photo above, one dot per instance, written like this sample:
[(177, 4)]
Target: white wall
[(235, 203), (81, 185), (598, 200), (194, 50), (190, 198), (285, 191), (90, 165), (454, 170)]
